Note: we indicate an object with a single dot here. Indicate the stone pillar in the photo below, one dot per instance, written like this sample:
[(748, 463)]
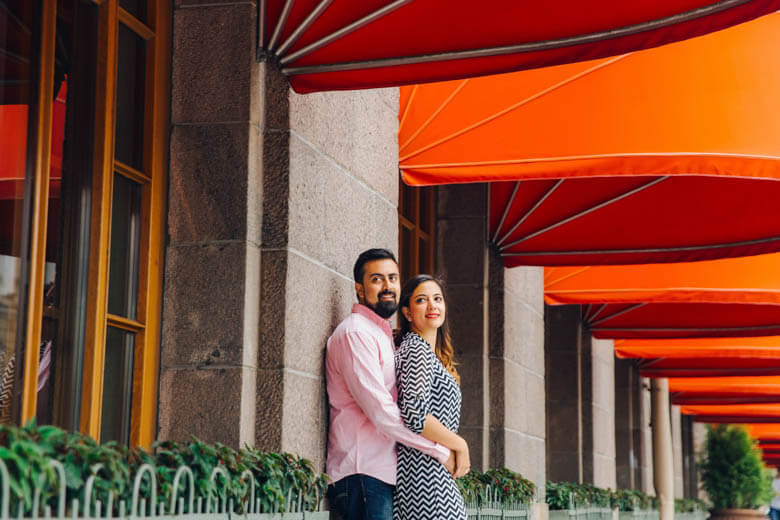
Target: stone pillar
[(563, 353), (646, 437), (330, 191), (603, 413), (662, 448), (580, 393), (699, 440), (628, 424), (272, 197), (462, 261), (516, 347), (211, 294), (498, 331), (677, 452), (690, 479)]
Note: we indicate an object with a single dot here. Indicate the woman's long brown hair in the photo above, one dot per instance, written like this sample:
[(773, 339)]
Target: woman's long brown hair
[(443, 348)]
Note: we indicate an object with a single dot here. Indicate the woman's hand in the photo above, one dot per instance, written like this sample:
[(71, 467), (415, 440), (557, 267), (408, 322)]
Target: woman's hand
[(462, 460)]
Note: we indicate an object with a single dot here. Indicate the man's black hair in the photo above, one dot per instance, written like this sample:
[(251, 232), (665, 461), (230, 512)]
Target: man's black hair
[(369, 255)]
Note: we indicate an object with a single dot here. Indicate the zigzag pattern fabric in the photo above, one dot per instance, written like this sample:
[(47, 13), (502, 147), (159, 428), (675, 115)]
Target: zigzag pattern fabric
[(425, 490)]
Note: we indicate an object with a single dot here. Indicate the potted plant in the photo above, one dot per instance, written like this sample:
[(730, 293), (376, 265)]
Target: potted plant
[(733, 474)]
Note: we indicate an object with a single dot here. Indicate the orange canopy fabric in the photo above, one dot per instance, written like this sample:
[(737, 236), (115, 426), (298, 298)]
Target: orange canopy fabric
[(725, 390), (703, 357), (761, 347), (717, 298), (765, 433), (327, 44), (665, 155), (734, 413)]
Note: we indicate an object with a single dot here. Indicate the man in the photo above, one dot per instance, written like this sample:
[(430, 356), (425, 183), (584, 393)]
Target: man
[(365, 422)]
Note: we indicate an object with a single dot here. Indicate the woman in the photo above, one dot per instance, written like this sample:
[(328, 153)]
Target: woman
[(429, 398)]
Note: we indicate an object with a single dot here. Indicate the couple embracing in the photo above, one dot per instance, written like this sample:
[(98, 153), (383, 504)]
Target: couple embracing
[(393, 447)]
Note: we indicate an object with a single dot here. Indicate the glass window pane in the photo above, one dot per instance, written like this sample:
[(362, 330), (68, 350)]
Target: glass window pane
[(125, 240), (426, 260), (407, 266), (117, 386), (408, 201), (18, 31), (128, 146), (426, 208), (135, 7)]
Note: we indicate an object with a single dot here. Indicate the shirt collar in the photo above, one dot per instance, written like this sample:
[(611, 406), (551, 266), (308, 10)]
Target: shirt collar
[(366, 312)]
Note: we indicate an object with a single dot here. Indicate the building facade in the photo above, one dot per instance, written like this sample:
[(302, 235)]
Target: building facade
[(178, 234)]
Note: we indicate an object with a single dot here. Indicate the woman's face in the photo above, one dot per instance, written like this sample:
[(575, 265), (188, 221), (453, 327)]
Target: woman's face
[(426, 309)]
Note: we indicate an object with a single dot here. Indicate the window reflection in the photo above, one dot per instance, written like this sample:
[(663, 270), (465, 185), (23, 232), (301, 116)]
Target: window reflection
[(16, 95)]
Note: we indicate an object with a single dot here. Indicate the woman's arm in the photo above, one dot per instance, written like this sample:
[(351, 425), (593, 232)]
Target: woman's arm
[(435, 431)]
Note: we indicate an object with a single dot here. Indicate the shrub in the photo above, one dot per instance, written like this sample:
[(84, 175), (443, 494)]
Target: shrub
[(633, 500), (563, 495), (505, 485), (27, 451), (732, 472)]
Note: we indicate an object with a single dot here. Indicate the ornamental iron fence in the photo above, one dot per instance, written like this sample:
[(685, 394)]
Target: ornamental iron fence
[(176, 507)]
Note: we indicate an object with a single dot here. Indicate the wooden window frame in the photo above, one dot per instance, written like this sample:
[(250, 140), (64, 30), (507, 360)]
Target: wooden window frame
[(410, 221), (153, 181)]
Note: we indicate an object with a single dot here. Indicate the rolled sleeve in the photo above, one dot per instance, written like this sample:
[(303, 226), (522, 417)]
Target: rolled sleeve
[(414, 376)]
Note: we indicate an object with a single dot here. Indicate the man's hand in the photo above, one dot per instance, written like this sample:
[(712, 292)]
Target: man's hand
[(462, 462), (450, 464)]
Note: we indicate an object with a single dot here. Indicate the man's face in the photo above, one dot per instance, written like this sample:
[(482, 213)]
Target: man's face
[(380, 287)]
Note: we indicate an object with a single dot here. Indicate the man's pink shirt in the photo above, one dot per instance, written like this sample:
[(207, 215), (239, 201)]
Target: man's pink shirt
[(365, 422)]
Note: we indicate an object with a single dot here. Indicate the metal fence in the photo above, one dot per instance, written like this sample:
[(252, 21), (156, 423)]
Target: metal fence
[(491, 506), (176, 507)]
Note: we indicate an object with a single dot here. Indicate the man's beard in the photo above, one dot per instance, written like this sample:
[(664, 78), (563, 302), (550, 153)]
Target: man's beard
[(384, 308)]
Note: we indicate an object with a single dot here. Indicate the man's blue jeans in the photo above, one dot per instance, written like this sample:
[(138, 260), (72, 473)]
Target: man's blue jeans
[(774, 514), (360, 497)]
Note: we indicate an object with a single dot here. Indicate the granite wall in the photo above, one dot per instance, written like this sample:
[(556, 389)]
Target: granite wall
[(272, 196)]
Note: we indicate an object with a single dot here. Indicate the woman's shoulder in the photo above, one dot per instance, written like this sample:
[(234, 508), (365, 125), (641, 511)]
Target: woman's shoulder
[(413, 343)]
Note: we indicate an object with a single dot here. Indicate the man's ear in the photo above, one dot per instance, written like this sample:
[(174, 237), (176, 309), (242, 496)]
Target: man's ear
[(359, 291)]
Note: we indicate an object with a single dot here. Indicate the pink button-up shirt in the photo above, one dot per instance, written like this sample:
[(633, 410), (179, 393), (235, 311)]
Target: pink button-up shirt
[(365, 422)]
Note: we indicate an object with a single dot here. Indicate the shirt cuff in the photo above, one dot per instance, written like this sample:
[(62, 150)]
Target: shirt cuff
[(441, 453)]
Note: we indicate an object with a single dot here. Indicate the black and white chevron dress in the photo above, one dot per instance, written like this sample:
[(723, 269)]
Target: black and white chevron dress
[(425, 490)]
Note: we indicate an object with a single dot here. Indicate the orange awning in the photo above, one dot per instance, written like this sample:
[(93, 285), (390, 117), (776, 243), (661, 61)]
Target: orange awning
[(717, 298), (765, 433), (664, 155), (703, 357), (326, 45), (734, 413), (725, 390)]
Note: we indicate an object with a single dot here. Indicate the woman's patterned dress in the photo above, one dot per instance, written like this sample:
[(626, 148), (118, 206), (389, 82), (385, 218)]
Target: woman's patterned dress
[(425, 490)]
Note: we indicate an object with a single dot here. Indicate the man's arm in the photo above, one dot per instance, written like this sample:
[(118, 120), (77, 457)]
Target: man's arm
[(362, 373)]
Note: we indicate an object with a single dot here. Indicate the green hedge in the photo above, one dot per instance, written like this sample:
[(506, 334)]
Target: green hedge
[(26, 452), (505, 485), (561, 495)]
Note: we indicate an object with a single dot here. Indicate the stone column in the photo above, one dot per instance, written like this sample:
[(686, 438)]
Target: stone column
[(517, 412), (603, 413), (462, 260), (563, 393), (662, 448), (580, 393), (272, 197), (330, 191), (497, 327), (628, 439), (211, 294), (677, 452), (690, 480), (646, 437)]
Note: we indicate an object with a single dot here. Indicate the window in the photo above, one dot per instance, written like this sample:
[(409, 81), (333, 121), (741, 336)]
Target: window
[(416, 246), (80, 285)]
